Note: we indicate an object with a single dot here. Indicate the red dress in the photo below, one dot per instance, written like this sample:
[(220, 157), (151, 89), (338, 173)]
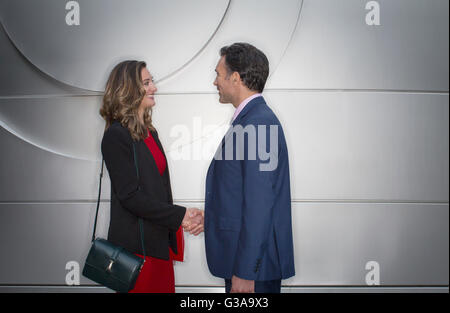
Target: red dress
[(157, 275)]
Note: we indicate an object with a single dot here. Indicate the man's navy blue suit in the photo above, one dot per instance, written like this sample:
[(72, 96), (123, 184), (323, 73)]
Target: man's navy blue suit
[(248, 228)]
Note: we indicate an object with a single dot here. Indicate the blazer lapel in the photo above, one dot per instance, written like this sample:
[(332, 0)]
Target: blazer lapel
[(228, 135), (155, 136), (149, 153), (248, 108)]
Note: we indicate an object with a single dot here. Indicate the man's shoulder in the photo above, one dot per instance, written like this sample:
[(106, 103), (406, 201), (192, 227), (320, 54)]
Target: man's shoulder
[(262, 114)]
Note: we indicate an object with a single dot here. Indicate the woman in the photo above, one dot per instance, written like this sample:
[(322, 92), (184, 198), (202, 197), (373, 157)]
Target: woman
[(141, 189)]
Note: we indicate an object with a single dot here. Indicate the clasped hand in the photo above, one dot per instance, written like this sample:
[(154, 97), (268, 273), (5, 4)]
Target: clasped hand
[(193, 221)]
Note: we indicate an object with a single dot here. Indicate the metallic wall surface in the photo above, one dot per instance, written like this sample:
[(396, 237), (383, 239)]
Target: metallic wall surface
[(365, 111)]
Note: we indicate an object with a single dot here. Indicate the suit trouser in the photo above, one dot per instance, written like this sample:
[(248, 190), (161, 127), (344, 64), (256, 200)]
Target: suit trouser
[(261, 286)]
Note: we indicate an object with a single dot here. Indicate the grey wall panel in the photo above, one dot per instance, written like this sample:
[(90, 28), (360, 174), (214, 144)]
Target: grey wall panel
[(190, 127), (29, 173), (221, 289), (271, 28), (385, 146), (57, 233), (69, 126), (19, 77), (333, 242), (334, 48), (42, 238), (338, 50), (342, 146), (91, 48)]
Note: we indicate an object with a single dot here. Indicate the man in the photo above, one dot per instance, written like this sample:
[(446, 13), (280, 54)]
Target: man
[(248, 227)]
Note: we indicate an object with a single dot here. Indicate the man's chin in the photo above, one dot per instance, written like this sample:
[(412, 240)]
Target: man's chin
[(222, 100)]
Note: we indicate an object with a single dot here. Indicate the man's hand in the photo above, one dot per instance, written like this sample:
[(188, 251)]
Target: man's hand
[(239, 285), (193, 221)]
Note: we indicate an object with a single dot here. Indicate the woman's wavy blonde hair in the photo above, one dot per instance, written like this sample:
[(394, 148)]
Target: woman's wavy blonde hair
[(123, 95)]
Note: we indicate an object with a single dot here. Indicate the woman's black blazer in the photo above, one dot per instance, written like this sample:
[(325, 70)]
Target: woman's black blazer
[(148, 196)]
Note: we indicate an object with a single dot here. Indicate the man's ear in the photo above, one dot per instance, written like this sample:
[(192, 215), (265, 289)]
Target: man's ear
[(235, 77)]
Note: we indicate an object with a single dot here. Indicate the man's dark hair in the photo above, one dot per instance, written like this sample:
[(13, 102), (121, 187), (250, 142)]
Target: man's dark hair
[(251, 64)]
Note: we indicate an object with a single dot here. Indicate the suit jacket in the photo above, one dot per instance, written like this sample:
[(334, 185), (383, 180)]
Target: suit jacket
[(248, 228), (149, 197)]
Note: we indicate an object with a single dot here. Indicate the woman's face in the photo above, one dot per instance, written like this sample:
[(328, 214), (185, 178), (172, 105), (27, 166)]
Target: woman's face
[(148, 101)]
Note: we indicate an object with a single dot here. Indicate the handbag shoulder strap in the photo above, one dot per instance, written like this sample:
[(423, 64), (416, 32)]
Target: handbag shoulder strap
[(98, 200), (141, 223)]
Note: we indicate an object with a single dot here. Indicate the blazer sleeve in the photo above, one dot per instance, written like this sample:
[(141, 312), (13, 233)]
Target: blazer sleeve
[(117, 150), (257, 211)]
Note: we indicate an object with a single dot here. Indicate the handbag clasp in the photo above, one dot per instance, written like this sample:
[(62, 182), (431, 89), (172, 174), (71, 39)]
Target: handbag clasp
[(110, 266)]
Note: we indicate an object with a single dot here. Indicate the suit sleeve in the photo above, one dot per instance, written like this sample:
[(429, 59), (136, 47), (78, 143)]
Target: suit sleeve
[(257, 211), (117, 152)]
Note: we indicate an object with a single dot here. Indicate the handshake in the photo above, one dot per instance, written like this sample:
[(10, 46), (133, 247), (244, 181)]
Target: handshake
[(193, 221)]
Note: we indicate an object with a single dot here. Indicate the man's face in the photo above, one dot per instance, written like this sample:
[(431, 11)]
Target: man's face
[(223, 82)]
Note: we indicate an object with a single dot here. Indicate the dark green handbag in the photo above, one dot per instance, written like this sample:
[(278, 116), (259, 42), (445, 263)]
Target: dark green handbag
[(108, 264)]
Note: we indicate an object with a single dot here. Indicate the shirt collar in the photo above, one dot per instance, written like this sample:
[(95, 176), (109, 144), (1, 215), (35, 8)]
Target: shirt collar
[(243, 104)]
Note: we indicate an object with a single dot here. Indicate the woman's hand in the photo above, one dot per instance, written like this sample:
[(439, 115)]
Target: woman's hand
[(193, 221)]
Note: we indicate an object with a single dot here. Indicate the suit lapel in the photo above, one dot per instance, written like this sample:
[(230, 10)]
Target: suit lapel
[(248, 108), (252, 105)]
